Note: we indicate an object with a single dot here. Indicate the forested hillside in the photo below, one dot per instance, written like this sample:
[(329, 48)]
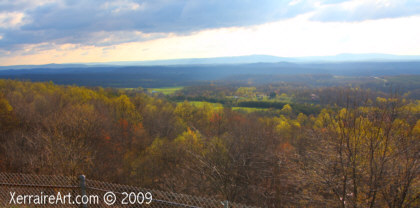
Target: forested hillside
[(372, 74), (356, 147)]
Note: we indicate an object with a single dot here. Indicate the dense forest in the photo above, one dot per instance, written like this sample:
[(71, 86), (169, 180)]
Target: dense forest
[(377, 74), (332, 147)]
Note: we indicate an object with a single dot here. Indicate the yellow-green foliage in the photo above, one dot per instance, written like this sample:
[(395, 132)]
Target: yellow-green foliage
[(190, 139), (125, 109), (206, 104), (248, 109), (246, 92), (166, 90), (416, 129), (133, 137), (5, 107), (287, 109)]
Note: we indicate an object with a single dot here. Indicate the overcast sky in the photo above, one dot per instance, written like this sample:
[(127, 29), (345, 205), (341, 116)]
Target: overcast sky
[(71, 31)]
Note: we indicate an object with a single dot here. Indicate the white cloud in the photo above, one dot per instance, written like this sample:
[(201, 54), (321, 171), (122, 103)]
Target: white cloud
[(120, 6), (288, 38), (294, 2), (147, 30), (295, 37), (11, 19)]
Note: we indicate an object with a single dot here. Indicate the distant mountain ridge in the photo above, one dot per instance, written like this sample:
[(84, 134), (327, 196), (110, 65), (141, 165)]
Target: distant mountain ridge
[(234, 60), (191, 74)]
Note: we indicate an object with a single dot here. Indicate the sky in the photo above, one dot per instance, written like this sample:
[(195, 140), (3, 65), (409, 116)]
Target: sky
[(80, 31)]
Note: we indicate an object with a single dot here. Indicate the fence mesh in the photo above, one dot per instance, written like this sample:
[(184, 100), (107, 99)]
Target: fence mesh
[(47, 185)]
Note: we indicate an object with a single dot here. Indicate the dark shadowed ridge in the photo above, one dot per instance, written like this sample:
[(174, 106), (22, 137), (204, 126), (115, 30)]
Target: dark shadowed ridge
[(233, 60), (191, 71)]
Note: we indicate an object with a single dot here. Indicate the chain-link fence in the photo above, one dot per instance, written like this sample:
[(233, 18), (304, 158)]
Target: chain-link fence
[(27, 190)]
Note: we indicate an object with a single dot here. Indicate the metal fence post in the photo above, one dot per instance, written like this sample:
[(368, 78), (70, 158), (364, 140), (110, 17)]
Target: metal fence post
[(82, 180), (226, 204)]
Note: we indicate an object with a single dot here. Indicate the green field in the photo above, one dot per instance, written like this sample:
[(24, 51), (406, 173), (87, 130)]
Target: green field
[(202, 103), (165, 90), (249, 110), (220, 106)]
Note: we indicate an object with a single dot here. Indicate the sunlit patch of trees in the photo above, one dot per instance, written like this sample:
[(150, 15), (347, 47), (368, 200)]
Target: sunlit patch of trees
[(361, 151)]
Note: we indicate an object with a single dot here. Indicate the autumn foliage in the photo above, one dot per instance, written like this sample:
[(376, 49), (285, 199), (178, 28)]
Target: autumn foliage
[(360, 152)]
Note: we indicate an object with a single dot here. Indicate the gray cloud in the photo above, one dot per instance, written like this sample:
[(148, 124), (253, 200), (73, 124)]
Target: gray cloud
[(110, 22), (90, 22)]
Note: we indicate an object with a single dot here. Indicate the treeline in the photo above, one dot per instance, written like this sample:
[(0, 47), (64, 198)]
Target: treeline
[(297, 93), (362, 154), (223, 101), (306, 109)]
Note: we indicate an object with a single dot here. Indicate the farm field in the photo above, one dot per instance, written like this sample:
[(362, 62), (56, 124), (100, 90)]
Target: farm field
[(164, 90)]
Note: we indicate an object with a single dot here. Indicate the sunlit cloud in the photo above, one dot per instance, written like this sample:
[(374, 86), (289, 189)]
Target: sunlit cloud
[(11, 19), (289, 38), (97, 31), (359, 10)]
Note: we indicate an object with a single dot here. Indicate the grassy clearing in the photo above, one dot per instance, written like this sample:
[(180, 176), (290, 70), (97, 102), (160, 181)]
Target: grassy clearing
[(203, 103), (165, 90), (220, 106), (248, 110)]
